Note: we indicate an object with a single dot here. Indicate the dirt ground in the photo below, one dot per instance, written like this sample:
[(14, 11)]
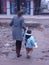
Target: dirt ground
[(40, 55)]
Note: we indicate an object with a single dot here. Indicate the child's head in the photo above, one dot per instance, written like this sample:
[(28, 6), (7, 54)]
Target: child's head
[(28, 32)]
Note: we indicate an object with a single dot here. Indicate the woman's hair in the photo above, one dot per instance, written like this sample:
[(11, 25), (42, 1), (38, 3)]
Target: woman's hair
[(20, 13)]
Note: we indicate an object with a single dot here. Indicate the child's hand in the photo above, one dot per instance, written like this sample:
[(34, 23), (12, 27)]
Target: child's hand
[(36, 46)]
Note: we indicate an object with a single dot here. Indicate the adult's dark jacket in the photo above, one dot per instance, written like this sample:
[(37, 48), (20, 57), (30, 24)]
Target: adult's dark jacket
[(17, 24)]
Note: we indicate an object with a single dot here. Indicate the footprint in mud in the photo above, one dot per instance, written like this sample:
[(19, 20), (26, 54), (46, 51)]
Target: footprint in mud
[(45, 51), (46, 56), (41, 58), (5, 53), (48, 51)]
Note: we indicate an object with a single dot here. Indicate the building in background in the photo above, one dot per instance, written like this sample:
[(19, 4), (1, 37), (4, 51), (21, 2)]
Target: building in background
[(11, 6), (37, 4), (29, 7), (45, 7), (0, 7)]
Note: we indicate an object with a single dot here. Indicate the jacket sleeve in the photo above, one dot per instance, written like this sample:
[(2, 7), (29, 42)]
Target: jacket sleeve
[(23, 25), (32, 41), (11, 23)]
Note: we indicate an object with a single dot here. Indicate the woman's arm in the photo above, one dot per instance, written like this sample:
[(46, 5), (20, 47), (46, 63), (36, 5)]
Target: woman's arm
[(23, 25), (11, 23)]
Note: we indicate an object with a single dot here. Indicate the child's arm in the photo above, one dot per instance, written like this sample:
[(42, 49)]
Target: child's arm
[(32, 41), (11, 23)]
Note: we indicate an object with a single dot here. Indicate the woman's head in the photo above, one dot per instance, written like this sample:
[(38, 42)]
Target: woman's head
[(20, 13)]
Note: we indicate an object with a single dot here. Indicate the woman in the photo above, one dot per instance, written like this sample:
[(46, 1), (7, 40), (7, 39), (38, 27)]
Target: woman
[(17, 24)]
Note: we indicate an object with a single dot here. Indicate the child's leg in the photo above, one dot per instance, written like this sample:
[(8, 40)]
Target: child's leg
[(28, 52)]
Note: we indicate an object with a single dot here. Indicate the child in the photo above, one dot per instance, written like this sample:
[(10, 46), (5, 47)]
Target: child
[(29, 43)]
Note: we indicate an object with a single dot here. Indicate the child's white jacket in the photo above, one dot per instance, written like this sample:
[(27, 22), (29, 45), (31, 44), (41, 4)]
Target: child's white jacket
[(30, 42)]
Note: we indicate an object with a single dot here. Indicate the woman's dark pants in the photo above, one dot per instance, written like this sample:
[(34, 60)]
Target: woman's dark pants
[(18, 47)]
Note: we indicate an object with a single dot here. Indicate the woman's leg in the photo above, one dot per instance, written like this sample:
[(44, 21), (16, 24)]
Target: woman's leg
[(18, 47)]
